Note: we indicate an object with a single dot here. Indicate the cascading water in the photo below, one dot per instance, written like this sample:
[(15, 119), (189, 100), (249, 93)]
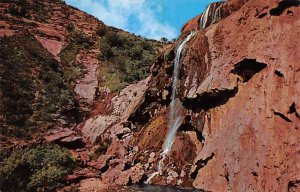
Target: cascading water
[(211, 15), (204, 17), (175, 119)]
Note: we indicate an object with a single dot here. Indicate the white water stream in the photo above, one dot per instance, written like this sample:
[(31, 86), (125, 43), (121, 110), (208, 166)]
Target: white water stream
[(175, 119), (211, 15)]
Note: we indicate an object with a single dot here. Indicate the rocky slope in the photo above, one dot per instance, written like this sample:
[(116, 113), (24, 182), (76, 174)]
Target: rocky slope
[(60, 69), (238, 93), (73, 65)]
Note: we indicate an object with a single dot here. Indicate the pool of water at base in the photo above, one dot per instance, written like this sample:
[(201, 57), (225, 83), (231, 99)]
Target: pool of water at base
[(153, 188)]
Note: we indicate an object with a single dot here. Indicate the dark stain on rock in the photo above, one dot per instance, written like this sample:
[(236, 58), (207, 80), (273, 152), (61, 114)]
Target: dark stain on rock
[(283, 5), (279, 74), (209, 100), (282, 116), (200, 164), (292, 110), (293, 184), (247, 68)]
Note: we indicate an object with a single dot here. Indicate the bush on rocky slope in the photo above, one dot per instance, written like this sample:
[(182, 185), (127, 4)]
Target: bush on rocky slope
[(34, 91), (40, 168), (126, 58)]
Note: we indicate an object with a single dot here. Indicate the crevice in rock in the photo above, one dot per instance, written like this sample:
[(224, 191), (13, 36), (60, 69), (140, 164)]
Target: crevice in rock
[(292, 110), (293, 184), (279, 74), (283, 5), (209, 100), (143, 179), (226, 174), (200, 164), (187, 126), (73, 143), (127, 166), (227, 177), (104, 168), (254, 173), (282, 116), (129, 182), (144, 112), (123, 134), (261, 13), (104, 143), (247, 68), (289, 12)]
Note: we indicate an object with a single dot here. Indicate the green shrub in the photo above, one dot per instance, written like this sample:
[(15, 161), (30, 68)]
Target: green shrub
[(16, 90), (164, 40), (31, 103), (41, 168), (107, 52), (79, 38), (115, 40), (72, 73), (128, 59), (70, 27), (18, 9), (101, 30), (68, 54)]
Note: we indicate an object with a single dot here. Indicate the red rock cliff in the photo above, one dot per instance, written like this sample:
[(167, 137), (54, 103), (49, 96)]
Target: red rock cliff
[(239, 89)]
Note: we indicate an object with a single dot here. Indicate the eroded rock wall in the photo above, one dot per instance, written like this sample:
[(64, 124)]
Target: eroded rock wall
[(240, 93), (251, 88)]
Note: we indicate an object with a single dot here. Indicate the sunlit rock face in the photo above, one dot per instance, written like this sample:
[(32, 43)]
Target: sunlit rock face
[(240, 93)]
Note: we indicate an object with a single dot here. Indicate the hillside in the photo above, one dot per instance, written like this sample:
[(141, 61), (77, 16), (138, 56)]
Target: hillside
[(99, 105), (59, 62), (60, 66)]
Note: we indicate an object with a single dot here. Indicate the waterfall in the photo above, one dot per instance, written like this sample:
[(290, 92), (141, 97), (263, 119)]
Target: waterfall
[(211, 15), (175, 119), (204, 17)]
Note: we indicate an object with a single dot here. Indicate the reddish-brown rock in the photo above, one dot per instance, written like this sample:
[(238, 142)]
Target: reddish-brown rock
[(251, 139), (192, 24), (240, 93), (65, 137)]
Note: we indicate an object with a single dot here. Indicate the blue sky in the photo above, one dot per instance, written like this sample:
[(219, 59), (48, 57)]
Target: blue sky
[(149, 18)]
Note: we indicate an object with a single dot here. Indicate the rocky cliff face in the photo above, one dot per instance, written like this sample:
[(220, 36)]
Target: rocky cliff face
[(238, 94)]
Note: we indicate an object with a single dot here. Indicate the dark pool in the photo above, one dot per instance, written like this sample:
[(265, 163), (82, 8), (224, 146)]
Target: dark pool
[(153, 188)]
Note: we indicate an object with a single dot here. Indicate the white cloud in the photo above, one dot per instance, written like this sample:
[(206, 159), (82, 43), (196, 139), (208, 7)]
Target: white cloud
[(137, 16)]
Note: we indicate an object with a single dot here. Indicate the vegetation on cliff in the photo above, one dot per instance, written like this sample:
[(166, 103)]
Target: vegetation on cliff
[(33, 88), (40, 168), (126, 58)]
